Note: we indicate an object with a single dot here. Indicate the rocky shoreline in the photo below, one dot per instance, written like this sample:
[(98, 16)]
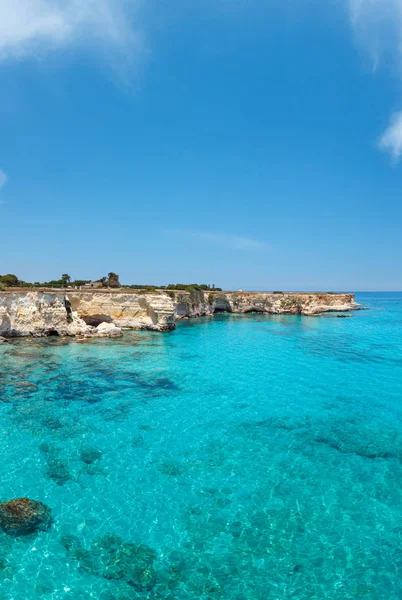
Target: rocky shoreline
[(106, 313)]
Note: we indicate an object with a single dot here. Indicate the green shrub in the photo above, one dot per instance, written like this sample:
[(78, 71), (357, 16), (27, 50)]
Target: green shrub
[(9, 280)]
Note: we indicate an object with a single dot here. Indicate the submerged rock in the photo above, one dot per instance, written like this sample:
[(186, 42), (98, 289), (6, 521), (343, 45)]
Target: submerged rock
[(137, 441), (93, 469), (52, 423), (114, 559), (89, 455), (57, 470), (70, 542), (24, 516), (132, 563), (3, 340), (170, 468), (87, 561)]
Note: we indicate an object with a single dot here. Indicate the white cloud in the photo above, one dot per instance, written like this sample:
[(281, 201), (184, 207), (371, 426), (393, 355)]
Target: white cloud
[(391, 140), (234, 242), (3, 181), (30, 28), (378, 27), (3, 178)]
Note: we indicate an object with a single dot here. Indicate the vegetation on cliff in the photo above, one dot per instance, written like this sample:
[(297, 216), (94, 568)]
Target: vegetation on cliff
[(111, 281), (193, 286), (12, 281)]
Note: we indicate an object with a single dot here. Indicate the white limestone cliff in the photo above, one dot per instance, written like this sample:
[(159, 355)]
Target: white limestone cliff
[(150, 311), (38, 314), (105, 313)]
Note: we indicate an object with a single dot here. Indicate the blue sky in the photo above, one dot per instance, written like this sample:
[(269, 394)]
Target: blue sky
[(247, 144)]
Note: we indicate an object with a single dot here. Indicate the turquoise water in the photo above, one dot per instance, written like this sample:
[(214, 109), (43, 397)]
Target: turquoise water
[(242, 457)]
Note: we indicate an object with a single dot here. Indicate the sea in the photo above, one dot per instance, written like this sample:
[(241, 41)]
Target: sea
[(240, 457)]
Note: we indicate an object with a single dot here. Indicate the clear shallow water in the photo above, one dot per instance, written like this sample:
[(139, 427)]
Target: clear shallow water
[(245, 457)]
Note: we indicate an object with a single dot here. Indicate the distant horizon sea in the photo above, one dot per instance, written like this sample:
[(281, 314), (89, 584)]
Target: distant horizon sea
[(240, 457)]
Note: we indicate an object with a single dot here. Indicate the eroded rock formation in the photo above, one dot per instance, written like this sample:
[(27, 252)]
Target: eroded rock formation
[(105, 313), (151, 311), (23, 516), (38, 314)]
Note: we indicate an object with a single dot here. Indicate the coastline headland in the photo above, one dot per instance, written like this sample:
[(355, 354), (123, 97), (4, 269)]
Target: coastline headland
[(105, 313)]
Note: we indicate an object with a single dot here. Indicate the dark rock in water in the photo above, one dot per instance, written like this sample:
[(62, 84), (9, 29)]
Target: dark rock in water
[(170, 468), (45, 447), (44, 588), (114, 559), (57, 470), (87, 561), (3, 340), (90, 455), (344, 316), (137, 441), (70, 542), (24, 516), (132, 563), (53, 424), (93, 469)]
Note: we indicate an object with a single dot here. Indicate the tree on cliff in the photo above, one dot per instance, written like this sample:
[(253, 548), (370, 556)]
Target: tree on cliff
[(9, 280), (65, 279), (113, 280)]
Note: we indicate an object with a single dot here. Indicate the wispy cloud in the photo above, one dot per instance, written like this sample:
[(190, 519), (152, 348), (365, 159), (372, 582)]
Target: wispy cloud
[(31, 28), (236, 242), (3, 178), (391, 140), (233, 242), (378, 27), (3, 181)]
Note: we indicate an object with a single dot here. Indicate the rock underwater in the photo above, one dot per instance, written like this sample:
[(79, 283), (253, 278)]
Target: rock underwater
[(114, 559), (89, 455), (23, 516)]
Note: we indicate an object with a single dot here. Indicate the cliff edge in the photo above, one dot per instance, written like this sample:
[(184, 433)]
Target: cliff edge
[(81, 313)]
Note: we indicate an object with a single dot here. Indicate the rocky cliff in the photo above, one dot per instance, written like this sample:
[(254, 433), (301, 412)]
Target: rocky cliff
[(77, 313), (154, 312), (196, 303)]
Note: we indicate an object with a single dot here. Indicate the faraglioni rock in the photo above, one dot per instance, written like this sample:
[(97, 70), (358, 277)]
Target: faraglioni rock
[(23, 516)]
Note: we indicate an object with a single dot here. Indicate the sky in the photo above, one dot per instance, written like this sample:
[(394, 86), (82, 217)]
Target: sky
[(253, 144)]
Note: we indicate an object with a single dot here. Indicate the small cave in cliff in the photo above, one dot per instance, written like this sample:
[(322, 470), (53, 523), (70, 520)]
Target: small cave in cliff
[(52, 333), (95, 320), (221, 310)]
